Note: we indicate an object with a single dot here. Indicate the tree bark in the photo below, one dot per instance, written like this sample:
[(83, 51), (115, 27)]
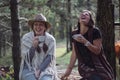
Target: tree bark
[(105, 21), (88, 5), (69, 27), (0, 46), (15, 37), (61, 28)]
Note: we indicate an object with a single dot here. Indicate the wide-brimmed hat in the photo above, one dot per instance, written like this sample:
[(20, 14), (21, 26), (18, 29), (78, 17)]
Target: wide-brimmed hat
[(39, 18)]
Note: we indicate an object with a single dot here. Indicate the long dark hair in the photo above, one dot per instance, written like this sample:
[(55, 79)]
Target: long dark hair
[(90, 26)]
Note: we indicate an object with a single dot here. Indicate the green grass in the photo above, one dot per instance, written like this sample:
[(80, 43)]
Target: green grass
[(62, 58), (6, 60), (60, 51)]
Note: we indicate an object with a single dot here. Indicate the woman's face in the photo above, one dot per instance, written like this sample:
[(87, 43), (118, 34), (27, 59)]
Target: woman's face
[(39, 28), (84, 17)]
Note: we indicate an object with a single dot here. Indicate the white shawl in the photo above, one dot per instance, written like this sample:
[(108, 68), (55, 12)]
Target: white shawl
[(26, 44)]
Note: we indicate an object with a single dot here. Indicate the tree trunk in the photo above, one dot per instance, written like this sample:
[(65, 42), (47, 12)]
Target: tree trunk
[(4, 44), (88, 5), (68, 29), (0, 46), (70, 23), (61, 27), (15, 37), (105, 21)]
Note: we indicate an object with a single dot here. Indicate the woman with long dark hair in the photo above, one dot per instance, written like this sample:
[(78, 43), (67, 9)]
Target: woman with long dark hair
[(87, 48)]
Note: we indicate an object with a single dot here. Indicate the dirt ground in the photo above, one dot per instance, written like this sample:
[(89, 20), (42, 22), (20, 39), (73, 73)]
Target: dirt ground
[(73, 76)]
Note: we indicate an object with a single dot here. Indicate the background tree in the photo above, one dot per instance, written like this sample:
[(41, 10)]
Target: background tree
[(105, 21), (3, 26), (15, 37)]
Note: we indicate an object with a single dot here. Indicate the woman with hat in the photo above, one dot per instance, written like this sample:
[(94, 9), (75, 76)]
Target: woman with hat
[(38, 52)]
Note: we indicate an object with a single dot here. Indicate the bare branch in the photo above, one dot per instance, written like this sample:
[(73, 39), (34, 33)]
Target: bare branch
[(4, 26), (23, 18), (9, 44)]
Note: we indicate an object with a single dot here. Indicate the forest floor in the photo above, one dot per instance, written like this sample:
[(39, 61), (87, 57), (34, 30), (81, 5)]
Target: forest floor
[(73, 76), (62, 62)]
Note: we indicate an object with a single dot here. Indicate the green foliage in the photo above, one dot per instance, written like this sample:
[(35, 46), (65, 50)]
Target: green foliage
[(6, 60), (80, 3), (63, 61), (7, 75), (60, 51)]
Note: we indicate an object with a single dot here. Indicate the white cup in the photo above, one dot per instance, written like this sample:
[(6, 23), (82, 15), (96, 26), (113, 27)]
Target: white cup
[(76, 36), (41, 38)]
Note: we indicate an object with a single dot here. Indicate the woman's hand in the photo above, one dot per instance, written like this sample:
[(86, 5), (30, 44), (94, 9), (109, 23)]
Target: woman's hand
[(67, 73), (80, 38), (35, 41), (37, 73)]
